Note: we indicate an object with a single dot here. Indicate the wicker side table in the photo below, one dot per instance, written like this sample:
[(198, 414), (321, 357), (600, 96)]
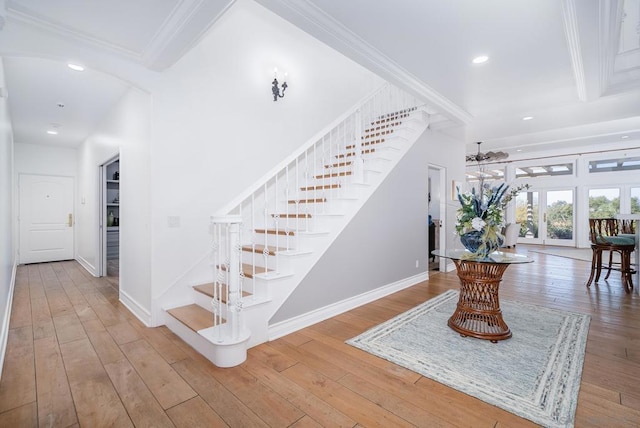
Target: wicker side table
[(478, 312)]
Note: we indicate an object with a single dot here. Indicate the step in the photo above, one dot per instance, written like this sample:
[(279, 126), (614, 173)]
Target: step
[(388, 124), (390, 118), (260, 249), (378, 133), (276, 232), (333, 174), (207, 289), (321, 187), (308, 201), (366, 143), (289, 215), (193, 316), (349, 154), (248, 270), (339, 164)]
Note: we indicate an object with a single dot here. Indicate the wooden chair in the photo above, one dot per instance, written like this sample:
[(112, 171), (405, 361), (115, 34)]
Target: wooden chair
[(604, 235)]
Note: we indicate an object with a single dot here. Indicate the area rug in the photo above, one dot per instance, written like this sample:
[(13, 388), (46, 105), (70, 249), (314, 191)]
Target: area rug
[(535, 374)]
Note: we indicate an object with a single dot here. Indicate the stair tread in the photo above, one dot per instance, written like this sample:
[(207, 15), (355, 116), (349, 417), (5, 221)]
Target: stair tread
[(289, 215), (276, 232), (333, 174), (207, 289), (366, 143), (321, 187), (193, 316), (260, 249), (248, 269), (308, 201)]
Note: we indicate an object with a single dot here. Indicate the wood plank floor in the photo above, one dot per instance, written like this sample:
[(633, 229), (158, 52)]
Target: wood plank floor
[(77, 357)]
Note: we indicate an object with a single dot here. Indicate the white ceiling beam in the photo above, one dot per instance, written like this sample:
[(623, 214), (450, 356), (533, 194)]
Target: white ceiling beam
[(570, 21), (610, 19)]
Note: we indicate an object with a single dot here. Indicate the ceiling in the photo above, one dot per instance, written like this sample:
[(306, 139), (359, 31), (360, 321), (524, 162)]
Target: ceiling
[(560, 61)]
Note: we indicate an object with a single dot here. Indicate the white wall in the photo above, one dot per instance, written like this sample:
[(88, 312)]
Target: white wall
[(216, 128), (126, 131), (385, 238), (7, 241), (45, 160)]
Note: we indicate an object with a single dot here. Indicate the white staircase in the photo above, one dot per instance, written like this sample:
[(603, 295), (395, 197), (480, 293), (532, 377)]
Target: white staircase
[(267, 241)]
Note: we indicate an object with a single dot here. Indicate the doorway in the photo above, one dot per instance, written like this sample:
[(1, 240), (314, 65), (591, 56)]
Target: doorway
[(110, 220), (546, 216), (436, 215), (46, 218)]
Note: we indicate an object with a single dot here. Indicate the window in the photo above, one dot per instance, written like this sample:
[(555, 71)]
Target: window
[(609, 165), (527, 213), (604, 203), (635, 200), (544, 170)]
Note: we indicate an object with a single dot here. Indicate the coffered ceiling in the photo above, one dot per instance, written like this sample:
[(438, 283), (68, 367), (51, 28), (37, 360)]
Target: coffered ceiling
[(571, 65)]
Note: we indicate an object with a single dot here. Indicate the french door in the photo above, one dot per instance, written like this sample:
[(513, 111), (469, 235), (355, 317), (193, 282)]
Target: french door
[(546, 217)]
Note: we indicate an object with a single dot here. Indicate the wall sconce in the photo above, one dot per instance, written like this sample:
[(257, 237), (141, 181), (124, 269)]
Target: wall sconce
[(275, 88)]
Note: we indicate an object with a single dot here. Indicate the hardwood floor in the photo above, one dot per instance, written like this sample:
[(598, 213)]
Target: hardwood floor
[(77, 357)]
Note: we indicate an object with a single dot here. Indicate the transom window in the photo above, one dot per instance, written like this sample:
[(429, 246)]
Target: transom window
[(544, 170), (610, 165)]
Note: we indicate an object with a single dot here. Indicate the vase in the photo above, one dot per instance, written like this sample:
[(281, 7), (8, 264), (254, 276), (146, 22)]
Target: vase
[(475, 242)]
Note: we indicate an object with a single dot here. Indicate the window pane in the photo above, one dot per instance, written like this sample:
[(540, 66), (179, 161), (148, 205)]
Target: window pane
[(635, 200), (527, 214), (604, 203), (560, 214)]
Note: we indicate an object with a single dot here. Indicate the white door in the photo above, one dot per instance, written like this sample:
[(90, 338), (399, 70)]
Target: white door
[(45, 218)]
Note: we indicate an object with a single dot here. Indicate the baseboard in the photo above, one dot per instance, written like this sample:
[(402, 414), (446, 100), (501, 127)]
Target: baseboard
[(289, 326), (87, 266), (136, 309), (4, 333)]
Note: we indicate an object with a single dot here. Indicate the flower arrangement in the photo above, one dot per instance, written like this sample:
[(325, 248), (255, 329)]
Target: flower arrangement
[(481, 216)]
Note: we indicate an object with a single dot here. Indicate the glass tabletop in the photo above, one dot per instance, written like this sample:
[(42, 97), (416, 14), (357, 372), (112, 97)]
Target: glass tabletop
[(495, 257)]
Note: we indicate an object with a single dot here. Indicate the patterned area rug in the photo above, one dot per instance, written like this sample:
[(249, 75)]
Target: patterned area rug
[(535, 374)]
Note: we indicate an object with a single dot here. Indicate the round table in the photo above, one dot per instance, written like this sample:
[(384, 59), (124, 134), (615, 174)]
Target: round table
[(478, 311)]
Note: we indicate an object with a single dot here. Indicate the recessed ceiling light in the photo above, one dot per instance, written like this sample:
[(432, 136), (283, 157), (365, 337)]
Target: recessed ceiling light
[(527, 118), (75, 67), (624, 137), (480, 59), (52, 132), (518, 150)]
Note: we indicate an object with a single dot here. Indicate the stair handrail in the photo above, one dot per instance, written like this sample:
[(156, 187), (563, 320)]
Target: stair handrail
[(243, 196)]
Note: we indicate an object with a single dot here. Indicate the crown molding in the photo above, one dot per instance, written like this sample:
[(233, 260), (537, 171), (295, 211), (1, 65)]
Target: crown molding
[(20, 14), (570, 21), (184, 28), (339, 37)]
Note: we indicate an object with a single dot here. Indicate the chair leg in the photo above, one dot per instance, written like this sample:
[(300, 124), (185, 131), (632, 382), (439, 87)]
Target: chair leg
[(594, 262), (626, 271), (610, 264), (598, 265)]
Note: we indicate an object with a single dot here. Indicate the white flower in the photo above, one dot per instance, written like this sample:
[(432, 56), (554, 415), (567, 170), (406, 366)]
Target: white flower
[(478, 223)]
